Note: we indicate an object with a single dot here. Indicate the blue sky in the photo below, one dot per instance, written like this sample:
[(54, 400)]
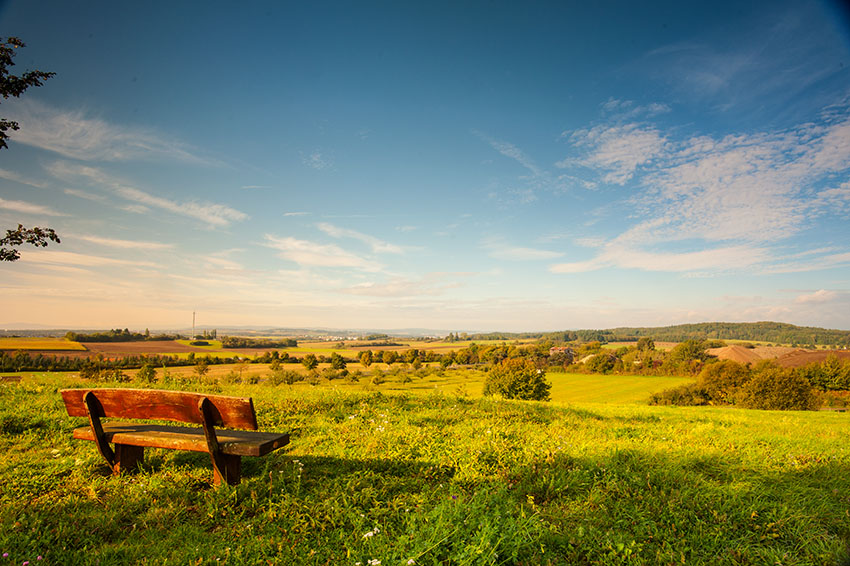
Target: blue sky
[(455, 166)]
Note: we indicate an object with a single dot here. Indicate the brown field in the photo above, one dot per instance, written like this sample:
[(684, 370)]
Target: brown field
[(117, 349), (784, 356)]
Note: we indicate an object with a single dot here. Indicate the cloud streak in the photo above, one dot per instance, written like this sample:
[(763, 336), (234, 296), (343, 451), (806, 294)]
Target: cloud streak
[(77, 136)]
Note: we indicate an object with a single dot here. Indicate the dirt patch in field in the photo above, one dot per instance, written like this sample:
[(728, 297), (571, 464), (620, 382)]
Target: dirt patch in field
[(784, 356), (799, 358), (736, 354), (116, 349)]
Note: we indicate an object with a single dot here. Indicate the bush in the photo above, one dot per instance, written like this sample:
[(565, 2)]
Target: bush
[(601, 363), (722, 380), (146, 374), (684, 395), (517, 378), (775, 388)]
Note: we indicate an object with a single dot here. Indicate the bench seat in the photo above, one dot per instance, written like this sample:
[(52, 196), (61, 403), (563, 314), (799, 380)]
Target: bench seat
[(231, 442)]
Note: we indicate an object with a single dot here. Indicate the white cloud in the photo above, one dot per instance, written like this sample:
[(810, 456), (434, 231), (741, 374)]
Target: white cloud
[(126, 244), (499, 250), (718, 259), (617, 150), (316, 160), (819, 296), (12, 176), (28, 208), (296, 213), (85, 195), (377, 245), (511, 151), (218, 215), (304, 252), (743, 191), (74, 135), (51, 257), (429, 285)]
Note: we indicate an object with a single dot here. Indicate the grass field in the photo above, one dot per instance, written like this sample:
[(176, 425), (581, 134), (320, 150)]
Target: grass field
[(566, 387), (53, 344), (437, 479)]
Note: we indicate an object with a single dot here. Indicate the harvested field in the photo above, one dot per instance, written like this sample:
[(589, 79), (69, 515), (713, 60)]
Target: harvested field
[(115, 349), (799, 358), (784, 356)]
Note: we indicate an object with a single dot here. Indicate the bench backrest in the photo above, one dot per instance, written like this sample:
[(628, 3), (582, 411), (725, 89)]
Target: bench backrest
[(156, 404)]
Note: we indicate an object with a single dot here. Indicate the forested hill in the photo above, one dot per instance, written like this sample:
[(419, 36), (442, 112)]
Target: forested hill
[(774, 332)]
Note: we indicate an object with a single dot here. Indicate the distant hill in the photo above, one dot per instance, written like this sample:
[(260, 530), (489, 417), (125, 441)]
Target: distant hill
[(773, 332)]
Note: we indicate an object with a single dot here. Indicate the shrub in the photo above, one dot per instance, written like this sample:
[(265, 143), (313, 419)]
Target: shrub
[(722, 380), (517, 378), (775, 388), (601, 363), (684, 395), (146, 374)]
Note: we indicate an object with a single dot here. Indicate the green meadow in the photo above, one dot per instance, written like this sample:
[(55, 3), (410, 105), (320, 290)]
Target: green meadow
[(438, 476)]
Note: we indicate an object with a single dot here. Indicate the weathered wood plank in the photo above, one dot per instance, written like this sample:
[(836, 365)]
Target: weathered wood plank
[(10, 378), (177, 406), (231, 442)]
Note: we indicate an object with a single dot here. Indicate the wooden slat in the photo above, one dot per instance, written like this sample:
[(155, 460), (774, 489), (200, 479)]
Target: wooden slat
[(177, 406), (232, 442)]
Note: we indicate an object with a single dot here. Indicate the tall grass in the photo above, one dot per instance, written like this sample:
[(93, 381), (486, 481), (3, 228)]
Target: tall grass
[(437, 479)]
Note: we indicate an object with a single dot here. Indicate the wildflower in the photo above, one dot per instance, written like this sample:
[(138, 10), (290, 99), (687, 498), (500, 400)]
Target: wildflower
[(370, 534), (26, 563), (411, 562), (374, 562), (5, 555)]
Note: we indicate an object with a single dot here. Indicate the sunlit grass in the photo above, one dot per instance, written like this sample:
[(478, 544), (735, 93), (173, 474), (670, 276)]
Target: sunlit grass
[(437, 479), (26, 343)]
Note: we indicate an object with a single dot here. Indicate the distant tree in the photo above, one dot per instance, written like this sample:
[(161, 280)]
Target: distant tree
[(310, 362), (389, 357), (366, 358), (146, 374), (645, 343), (337, 361), (516, 378), (202, 368), (15, 86)]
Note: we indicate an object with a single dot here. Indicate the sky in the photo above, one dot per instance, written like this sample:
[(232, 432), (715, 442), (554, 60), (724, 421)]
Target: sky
[(466, 166)]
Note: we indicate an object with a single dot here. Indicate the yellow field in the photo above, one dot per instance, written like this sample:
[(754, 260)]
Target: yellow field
[(54, 344)]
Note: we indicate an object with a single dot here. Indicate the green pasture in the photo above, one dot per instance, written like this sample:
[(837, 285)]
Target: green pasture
[(436, 479), (566, 387)]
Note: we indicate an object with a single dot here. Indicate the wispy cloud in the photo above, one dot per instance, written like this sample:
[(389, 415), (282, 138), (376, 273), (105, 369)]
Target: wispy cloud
[(617, 150), (498, 249), (75, 135), (28, 208), (218, 215), (85, 195), (249, 187), (52, 257), (316, 160), (126, 244), (721, 197), (304, 252), (819, 296), (377, 245), (12, 176), (296, 213), (429, 285)]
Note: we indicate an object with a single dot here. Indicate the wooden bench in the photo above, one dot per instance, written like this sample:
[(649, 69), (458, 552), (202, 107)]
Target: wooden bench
[(225, 447), (10, 378)]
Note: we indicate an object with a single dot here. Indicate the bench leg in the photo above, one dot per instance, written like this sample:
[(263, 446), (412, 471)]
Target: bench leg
[(128, 458), (228, 469)]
